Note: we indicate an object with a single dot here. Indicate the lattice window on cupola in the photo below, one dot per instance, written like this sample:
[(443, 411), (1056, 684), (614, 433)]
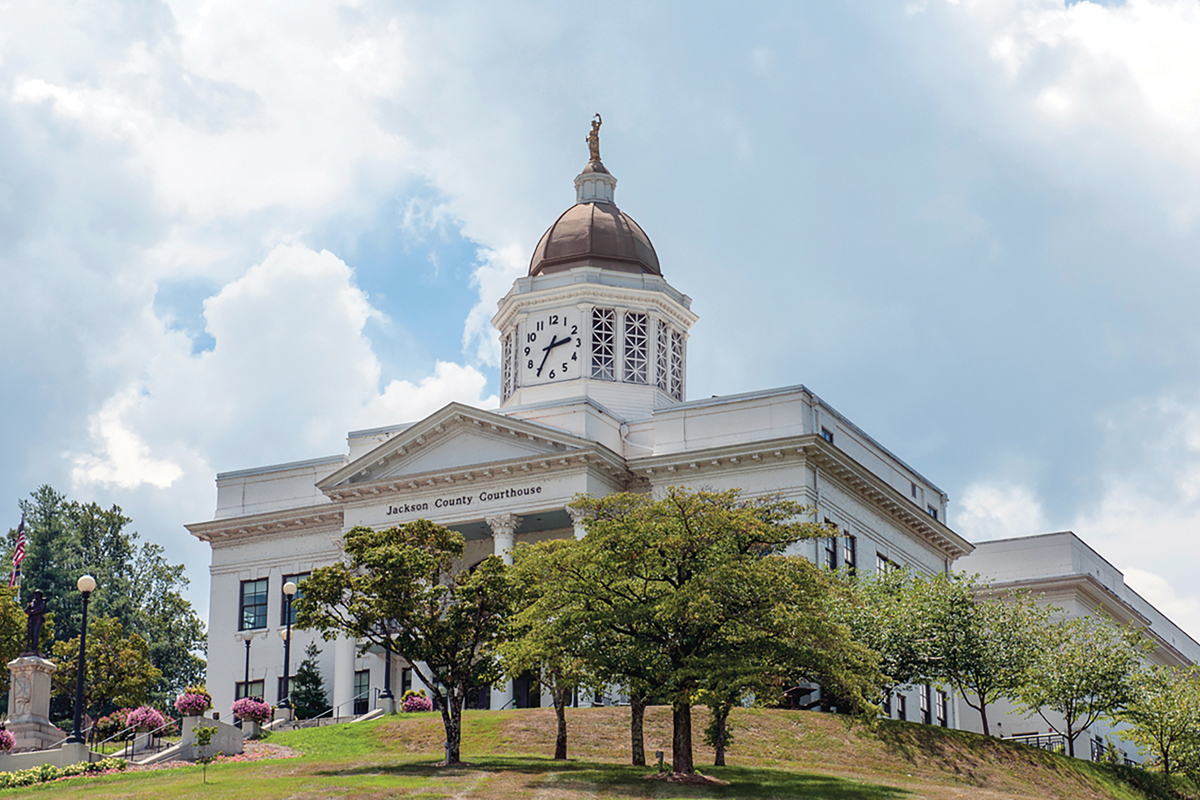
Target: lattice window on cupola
[(604, 343), (677, 365), (663, 359), (636, 344), (506, 370)]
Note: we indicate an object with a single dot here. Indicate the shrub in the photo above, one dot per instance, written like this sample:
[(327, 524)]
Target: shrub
[(253, 709), (112, 724), (416, 701), (46, 772), (7, 740)]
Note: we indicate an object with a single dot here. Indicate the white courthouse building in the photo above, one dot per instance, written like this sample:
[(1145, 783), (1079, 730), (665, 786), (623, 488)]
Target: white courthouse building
[(593, 388)]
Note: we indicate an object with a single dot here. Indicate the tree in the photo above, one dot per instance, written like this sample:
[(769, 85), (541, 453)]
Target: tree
[(1164, 714), (1083, 672), (398, 588), (549, 647), (118, 668), (693, 581), (136, 584), (308, 688)]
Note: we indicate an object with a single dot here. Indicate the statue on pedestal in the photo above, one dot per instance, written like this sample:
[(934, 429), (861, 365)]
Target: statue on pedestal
[(36, 611), (593, 139)]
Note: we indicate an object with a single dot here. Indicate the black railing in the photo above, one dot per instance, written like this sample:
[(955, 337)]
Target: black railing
[(1054, 742)]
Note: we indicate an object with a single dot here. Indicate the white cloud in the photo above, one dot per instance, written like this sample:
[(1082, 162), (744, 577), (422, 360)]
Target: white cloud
[(998, 511), (291, 371), (1183, 611)]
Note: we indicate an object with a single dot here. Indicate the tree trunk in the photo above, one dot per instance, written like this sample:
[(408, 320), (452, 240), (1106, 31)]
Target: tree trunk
[(681, 741), (720, 712), (637, 719), (983, 717), (452, 722), (1070, 741), (560, 711)]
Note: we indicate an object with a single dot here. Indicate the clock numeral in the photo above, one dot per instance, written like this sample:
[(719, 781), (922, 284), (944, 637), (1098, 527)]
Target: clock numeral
[(554, 319), (530, 364), (531, 337), (551, 373), (574, 357), (541, 324), (574, 330), (564, 369), (578, 342)]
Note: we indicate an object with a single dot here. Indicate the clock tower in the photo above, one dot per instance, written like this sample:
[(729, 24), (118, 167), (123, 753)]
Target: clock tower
[(594, 318)]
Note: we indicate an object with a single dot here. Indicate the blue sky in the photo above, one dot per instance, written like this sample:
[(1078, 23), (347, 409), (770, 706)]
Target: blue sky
[(231, 233)]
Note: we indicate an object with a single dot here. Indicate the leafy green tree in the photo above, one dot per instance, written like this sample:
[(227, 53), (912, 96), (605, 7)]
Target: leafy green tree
[(1164, 714), (696, 581), (136, 584), (550, 648), (308, 689), (1084, 671), (983, 646), (118, 674), (399, 588)]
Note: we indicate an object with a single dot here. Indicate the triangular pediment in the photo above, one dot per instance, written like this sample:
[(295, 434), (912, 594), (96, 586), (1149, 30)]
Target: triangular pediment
[(455, 438)]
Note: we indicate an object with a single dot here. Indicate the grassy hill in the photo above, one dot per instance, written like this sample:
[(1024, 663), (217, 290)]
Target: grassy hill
[(776, 754)]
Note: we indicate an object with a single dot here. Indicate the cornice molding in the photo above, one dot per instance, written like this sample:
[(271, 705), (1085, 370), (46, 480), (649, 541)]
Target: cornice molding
[(593, 294), (832, 461), (309, 519)]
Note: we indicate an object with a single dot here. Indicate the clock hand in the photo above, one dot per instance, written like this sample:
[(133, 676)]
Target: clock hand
[(554, 342)]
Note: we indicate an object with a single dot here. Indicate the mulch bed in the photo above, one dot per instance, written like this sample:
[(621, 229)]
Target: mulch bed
[(693, 779), (251, 751)]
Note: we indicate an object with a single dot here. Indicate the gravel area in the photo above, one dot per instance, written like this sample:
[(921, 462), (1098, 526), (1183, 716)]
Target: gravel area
[(251, 751)]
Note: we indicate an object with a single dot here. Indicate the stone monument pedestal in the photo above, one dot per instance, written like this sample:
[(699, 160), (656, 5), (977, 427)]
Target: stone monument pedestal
[(29, 703)]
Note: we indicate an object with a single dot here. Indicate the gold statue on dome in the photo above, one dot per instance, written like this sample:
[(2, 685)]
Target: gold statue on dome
[(593, 138)]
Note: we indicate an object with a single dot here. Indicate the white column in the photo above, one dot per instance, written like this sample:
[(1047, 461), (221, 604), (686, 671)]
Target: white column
[(343, 676), (577, 520), (504, 528)]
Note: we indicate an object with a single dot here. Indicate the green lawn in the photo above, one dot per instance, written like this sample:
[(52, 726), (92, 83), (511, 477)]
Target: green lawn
[(777, 755)]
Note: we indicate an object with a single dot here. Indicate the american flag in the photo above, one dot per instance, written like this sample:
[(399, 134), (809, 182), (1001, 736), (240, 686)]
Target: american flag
[(18, 555)]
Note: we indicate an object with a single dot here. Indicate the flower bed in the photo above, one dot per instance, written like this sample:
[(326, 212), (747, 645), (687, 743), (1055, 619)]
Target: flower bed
[(48, 772), (7, 740), (253, 709)]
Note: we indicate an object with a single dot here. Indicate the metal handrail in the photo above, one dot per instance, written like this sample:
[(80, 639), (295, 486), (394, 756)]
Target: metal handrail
[(86, 731), (329, 713), (129, 741)]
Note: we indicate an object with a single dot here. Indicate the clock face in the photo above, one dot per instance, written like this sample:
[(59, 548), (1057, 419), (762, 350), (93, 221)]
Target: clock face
[(551, 347)]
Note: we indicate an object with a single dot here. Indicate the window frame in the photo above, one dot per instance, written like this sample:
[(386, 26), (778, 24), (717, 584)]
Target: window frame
[(283, 604), (265, 604), (240, 687)]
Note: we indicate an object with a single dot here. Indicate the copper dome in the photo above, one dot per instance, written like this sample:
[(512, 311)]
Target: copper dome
[(594, 234)]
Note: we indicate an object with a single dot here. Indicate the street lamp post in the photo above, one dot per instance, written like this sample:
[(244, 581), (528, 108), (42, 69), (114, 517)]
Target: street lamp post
[(86, 585), (289, 591), (246, 636)]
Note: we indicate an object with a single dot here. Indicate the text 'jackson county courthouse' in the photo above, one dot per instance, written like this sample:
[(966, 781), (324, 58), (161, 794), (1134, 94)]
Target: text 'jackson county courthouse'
[(593, 390)]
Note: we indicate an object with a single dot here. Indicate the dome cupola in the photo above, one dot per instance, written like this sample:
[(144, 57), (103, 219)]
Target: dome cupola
[(594, 232)]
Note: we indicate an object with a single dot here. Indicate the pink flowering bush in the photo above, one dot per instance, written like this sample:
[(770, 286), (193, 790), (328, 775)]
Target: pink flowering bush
[(7, 740), (416, 701), (146, 718), (193, 703), (253, 709)]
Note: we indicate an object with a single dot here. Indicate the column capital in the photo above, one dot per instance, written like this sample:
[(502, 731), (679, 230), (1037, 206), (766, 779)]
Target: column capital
[(503, 524), (577, 518)]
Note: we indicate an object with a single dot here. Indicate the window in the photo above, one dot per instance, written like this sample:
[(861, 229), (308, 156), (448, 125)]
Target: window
[(926, 717), (604, 343), (255, 690), (884, 565), (941, 708), (637, 365), (901, 708), (506, 370), (405, 680), (284, 689), (850, 553), (827, 435), (663, 373), (831, 552), (886, 704), (932, 512), (362, 691), (677, 365), (914, 489), (253, 612), (283, 605)]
